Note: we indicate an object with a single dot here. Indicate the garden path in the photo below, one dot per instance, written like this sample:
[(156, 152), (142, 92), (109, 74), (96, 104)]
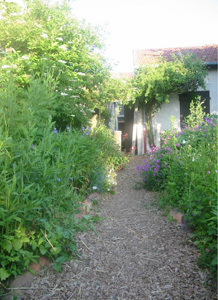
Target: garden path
[(137, 254)]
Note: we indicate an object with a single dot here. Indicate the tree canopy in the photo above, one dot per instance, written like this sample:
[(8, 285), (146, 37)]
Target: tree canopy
[(40, 39)]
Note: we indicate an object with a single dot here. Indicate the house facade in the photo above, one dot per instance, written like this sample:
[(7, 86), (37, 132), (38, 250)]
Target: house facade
[(178, 106)]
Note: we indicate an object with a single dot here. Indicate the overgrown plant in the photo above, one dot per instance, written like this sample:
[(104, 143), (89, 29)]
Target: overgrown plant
[(44, 38), (45, 174), (185, 168)]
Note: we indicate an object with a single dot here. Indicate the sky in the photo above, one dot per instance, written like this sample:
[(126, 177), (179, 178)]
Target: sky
[(148, 24)]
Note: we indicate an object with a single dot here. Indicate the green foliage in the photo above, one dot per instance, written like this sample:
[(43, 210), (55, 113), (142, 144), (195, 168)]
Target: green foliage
[(185, 169), (45, 174), (153, 84), (45, 39), (52, 79)]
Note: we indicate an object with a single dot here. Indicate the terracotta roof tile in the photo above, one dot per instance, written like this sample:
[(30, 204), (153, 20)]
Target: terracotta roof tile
[(208, 53)]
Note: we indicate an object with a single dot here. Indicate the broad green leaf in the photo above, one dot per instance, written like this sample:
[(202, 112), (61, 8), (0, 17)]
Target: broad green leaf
[(17, 244), (3, 274), (42, 249), (25, 239), (57, 266), (7, 246)]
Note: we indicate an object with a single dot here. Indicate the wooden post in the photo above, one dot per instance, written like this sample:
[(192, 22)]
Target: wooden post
[(118, 138), (140, 135), (134, 130), (137, 135)]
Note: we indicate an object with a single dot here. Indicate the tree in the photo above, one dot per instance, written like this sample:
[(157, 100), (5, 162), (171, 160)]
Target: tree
[(153, 84), (41, 39)]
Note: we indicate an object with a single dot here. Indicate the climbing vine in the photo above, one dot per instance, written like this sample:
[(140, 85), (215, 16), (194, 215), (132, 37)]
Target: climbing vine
[(153, 84)]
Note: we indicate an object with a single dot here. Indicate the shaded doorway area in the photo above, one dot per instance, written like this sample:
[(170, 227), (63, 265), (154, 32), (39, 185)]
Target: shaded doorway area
[(185, 101)]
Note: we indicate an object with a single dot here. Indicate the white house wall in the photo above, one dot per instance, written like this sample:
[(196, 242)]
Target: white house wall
[(212, 86), (161, 120)]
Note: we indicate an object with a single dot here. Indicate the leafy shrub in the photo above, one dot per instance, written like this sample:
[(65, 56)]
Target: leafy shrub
[(185, 168), (44, 175)]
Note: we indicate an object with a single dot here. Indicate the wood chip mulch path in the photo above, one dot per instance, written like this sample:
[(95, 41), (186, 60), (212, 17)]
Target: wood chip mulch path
[(137, 254)]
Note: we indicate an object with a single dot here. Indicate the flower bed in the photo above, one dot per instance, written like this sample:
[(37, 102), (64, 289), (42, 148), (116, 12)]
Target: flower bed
[(184, 168)]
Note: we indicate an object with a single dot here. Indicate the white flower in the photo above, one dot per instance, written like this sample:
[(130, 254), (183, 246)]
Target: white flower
[(94, 188), (44, 35), (62, 61), (70, 89), (38, 25), (80, 73), (75, 96), (5, 67), (59, 39), (69, 42), (63, 47), (183, 141), (64, 94), (193, 159), (25, 57)]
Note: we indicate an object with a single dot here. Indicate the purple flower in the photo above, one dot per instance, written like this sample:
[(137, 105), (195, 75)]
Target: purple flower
[(155, 169), (138, 168), (58, 179), (71, 178), (55, 130), (154, 174), (68, 128), (157, 161), (87, 133), (33, 146), (83, 128), (208, 172)]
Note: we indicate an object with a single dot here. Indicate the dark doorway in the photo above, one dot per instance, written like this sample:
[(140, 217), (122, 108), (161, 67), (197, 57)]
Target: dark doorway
[(128, 127), (185, 101)]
